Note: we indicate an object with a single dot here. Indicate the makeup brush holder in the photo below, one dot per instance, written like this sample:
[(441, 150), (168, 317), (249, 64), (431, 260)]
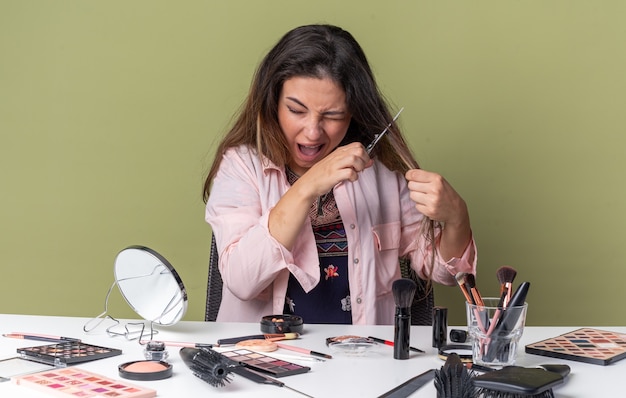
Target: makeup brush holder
[(495, 332)]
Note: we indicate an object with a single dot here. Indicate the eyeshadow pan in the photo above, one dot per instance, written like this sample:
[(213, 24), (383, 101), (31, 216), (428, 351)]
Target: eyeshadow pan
[(584, 345), (81, 383), (66, 353), (265, 364)]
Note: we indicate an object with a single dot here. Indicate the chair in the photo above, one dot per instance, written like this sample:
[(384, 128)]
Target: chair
[(421, 309), (214, 285), (424, 300)]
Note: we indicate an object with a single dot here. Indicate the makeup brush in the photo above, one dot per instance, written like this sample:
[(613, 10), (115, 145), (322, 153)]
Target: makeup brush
[(266, 336), (403, 292), (506, 321), (460, 280), (506, 275), (454, 380), (470, 282)]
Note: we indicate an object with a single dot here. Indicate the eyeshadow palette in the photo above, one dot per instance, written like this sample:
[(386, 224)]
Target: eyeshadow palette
[(589, 345), (265, 364), (78, 383), (67, 353)]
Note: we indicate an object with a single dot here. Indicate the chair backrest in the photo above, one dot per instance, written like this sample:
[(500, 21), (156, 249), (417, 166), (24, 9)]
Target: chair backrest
[(421, 309), (214, 285), (424, 299)]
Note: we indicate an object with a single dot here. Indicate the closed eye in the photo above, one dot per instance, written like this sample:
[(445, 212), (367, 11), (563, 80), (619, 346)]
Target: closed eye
[(295, 111)]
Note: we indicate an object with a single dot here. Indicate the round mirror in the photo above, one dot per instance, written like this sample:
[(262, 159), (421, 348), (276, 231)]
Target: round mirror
[(150, 285)]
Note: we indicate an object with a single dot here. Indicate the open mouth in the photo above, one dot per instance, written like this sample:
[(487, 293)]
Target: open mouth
[(310, 152)]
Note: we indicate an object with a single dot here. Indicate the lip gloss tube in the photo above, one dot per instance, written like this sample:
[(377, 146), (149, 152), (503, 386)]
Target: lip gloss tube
[(440, 326)]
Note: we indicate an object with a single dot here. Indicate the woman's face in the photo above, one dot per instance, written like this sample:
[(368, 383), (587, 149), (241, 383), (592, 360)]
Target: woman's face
[(313, 115)]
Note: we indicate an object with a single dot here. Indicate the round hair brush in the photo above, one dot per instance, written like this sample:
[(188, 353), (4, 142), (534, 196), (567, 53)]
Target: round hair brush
[(403, 293), (208, 365)]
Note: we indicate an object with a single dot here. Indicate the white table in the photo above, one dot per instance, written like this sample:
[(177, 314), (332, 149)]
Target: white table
[(342, 376)]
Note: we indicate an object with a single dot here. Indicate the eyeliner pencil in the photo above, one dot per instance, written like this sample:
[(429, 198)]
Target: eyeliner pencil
[(303, 350), (181, 344), (40, 337), (390, 343)]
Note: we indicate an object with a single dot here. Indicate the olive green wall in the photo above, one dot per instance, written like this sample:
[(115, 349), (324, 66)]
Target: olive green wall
[(109, 111)]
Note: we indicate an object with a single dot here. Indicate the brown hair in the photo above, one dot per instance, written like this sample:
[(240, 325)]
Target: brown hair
[(321, 51)]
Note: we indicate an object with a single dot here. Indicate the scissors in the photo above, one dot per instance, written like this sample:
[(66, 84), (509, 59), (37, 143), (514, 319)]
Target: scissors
[(377, 138)]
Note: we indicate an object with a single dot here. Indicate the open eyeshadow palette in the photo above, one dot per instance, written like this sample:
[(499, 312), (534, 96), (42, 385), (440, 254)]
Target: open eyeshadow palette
[(589, 345), (265, 364), (67, 353), (78, 383)]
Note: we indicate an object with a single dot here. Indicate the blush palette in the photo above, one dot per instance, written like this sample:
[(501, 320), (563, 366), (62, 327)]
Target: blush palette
[(67, 353), (265, 364), (78, 383), (589, 345)]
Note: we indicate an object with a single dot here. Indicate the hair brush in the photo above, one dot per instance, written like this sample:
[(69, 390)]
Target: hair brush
[(520, 382), (215, 368), (208, 365), (454, 380)]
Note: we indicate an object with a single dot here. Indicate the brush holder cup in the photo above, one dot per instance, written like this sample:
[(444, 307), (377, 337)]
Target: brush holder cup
[(495, 332)]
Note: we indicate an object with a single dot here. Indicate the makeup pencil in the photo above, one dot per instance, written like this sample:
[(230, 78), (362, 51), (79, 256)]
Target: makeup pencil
[(303, 350), (40, 337), (181, 344), (390, 343)]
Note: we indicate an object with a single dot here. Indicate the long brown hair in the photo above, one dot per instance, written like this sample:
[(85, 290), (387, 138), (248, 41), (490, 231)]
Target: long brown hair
[(320, 51)]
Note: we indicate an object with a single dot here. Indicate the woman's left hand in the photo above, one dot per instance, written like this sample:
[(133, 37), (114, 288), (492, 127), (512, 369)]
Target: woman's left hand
[(436, 199)]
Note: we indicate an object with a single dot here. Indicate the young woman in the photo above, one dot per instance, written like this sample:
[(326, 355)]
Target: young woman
[(306, 221)]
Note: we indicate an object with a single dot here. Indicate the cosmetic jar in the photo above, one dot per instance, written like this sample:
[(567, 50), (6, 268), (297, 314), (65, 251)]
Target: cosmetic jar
[(155, 351), (145, 370), (282, 324), (458, 336)]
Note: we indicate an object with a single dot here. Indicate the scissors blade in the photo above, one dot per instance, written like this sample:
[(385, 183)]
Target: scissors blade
[(371, 146)]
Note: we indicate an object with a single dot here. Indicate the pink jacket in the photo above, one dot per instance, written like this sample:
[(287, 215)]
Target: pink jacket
[(381, 223)]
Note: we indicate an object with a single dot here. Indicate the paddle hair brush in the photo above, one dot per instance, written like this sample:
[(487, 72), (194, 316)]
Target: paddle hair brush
[(519, 382), (403, 293)]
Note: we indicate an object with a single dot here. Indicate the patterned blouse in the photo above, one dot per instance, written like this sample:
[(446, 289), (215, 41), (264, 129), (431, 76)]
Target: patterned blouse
[(329, 301)]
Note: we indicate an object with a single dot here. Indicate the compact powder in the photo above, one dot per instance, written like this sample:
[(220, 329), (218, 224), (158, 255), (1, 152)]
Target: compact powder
[(145, 370)]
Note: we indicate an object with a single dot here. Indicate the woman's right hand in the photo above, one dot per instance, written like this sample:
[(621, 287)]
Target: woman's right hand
[(342, 164)]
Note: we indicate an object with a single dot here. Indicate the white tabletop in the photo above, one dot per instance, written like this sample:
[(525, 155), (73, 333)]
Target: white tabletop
[(342, 376)]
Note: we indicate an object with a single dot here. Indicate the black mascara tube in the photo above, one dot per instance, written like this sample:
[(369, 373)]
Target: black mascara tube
[(402, 333), (440, 327)]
